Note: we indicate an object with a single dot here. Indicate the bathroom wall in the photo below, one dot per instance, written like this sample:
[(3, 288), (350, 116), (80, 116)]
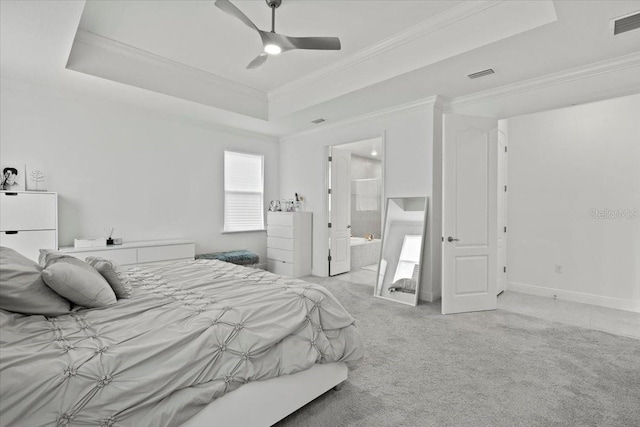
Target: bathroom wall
[(365, 221)]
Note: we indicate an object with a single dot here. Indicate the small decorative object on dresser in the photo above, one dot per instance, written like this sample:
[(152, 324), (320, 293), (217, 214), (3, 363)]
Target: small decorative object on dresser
[(274, 206), (35, 179), (109, 232), (289, 243), (12, 178)]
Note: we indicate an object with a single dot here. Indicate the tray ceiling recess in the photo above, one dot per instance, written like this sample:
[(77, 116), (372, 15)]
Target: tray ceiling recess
[(169, 47)]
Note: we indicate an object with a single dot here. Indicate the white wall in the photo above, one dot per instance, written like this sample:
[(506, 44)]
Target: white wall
[(563, 165), (147, 174), (408, 158)]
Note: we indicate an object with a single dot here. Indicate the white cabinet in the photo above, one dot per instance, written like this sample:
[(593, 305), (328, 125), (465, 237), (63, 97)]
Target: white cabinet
[(289, 243), (29, 221), (130, 253)]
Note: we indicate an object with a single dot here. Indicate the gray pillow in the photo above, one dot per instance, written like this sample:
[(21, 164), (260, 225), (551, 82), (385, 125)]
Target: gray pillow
[(77, 281), (50, 256), (22, 289), (114, 274)]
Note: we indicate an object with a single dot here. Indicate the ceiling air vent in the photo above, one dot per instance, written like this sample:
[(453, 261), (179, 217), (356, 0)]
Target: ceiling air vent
[(318, 121), (482, 73), (625, 23)]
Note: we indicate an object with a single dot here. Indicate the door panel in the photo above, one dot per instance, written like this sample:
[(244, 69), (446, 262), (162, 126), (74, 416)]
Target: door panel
[(340, 206), (469, 261)]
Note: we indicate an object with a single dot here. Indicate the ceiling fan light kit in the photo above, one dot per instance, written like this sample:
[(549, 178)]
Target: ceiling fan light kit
[(272, 42)]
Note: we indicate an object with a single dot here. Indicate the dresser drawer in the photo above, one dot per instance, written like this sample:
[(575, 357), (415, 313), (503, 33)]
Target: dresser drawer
[(280, 243), (280, 219), (29, 243), (280, 255), (280, 231), (28, 211), (279, 267), (119, 256), (165, 253)]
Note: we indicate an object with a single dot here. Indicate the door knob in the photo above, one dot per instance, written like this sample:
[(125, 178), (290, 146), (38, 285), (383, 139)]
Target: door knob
[(451, 239)]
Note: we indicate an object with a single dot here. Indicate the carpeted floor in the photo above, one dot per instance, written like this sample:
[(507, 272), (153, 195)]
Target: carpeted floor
[(479, 369)]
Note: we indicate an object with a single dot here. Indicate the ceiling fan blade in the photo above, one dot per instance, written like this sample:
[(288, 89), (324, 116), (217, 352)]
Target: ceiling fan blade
[(258, 61), (318, 43), (227, 7)]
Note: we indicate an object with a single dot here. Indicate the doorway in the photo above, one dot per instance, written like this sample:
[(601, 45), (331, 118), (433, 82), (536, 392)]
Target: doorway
[(355, 196)]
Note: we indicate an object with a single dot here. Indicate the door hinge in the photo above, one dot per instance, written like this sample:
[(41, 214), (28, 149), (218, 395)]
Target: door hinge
[(505, 188), (505, 148), (329, 225), (505, 267), (330, 158), (443, 238), (329, 258), (505, 228), (329, 191)]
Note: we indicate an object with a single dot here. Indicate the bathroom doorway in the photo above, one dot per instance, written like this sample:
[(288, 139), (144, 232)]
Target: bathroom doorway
[(355, 202)]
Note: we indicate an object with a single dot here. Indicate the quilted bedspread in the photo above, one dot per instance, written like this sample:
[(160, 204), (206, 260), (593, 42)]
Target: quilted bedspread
[(192, 331)]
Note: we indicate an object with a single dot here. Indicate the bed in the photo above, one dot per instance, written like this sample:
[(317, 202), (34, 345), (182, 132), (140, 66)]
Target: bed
[(199, 343)]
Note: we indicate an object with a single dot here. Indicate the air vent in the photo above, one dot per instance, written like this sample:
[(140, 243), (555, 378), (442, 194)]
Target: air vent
[(625, 23), (318, 121), (482, 73)]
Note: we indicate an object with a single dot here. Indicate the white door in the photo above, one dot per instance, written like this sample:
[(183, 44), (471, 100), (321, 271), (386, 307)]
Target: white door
[(502, 213), (469, 261), (340, 212)]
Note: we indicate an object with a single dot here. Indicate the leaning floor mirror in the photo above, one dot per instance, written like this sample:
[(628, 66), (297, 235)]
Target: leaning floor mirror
[(402, 249)]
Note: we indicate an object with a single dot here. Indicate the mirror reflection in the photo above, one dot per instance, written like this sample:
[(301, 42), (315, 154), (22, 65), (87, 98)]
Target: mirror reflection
[(402, 249)]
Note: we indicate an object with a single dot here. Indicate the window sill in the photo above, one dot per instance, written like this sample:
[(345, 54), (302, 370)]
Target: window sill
[(243, 231)]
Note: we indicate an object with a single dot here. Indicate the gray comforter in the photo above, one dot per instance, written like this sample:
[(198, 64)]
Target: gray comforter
[(192, 331)]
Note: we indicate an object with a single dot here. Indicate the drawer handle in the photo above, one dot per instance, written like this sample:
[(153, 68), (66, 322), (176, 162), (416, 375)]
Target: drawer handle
[(11, 232), (11, 194)]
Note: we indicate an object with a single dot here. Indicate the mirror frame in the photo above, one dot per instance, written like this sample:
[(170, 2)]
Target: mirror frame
[(422, 250)]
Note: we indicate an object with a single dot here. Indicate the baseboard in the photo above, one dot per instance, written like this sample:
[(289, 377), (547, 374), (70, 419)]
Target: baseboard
[(620, 304), (425, 296)]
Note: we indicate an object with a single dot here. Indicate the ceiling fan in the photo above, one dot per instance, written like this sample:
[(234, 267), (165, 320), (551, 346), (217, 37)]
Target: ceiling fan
[(274, 43)]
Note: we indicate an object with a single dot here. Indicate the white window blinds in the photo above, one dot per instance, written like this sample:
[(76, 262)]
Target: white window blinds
[(409, 257), (243, 192)]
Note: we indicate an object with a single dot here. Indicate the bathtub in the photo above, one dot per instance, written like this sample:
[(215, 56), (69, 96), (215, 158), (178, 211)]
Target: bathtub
[(364, 252)]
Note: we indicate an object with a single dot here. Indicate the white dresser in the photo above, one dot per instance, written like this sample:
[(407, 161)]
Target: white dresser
[(130, 253), (289, 243), (29, 221)]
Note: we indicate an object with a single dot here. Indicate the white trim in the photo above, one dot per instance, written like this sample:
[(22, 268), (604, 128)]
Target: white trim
[(566, 76), (617, 303), (432, 101), (123, 49), (435, 23), (425, 297)]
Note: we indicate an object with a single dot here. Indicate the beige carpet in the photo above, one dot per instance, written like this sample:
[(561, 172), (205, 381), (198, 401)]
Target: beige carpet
[(480, 369)]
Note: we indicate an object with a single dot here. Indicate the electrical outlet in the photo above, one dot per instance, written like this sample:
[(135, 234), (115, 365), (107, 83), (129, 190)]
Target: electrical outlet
[(558, 268)]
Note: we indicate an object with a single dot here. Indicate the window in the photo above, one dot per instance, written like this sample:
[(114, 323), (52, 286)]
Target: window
[(243, 192), (409, 258)]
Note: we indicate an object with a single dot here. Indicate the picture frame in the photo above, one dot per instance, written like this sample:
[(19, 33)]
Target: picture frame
[(35, 178), (13, 177)]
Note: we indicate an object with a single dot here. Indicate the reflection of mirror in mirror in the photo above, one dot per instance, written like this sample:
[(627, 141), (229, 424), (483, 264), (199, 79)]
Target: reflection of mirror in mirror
[(402, 250)]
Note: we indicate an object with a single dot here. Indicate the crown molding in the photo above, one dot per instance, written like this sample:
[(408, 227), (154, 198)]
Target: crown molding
[(432, 101), (123, 49), (537, 83), (414, 32)]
